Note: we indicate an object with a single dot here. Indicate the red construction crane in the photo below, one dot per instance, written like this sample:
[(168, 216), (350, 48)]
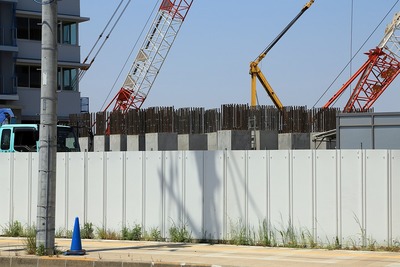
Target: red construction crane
[(151, 56), (381, 68)]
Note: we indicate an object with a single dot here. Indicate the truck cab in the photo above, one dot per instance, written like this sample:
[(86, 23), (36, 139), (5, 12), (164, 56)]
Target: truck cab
[(25, 138)]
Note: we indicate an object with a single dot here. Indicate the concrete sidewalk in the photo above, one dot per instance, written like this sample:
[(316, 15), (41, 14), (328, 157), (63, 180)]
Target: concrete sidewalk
[(144, 254)]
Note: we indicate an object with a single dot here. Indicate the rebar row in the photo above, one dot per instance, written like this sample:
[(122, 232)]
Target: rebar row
[(294, 119)]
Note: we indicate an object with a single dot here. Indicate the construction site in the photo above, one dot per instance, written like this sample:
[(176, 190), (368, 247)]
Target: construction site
[(273, 175), (250, 126)]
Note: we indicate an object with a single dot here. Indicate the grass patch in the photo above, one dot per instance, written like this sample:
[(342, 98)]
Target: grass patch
[(180, 233), (289, 236), (240, 234), (134, 233), (153, 235), (109, 234), (13, 229), (87, 232), (63, 233), (266, 236)]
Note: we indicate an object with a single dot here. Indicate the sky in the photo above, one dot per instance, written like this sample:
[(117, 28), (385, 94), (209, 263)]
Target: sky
[(208, 65)]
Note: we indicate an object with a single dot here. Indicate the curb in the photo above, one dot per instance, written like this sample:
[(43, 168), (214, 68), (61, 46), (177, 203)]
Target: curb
[(84, 262)]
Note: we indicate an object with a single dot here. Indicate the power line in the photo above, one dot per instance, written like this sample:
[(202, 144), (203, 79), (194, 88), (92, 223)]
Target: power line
[(82, 72)]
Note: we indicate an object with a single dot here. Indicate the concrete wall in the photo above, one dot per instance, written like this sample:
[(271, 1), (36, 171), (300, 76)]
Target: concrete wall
[(101, 143), (266, 140), (212, 141), (346, 194), (234, 140), (118, 142), (192, 142), (294, 141), (135, 143), (161, 141)]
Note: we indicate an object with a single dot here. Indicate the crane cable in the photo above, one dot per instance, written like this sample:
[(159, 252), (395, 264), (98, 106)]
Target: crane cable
[(83, 71), (344, 68), (130, 53)]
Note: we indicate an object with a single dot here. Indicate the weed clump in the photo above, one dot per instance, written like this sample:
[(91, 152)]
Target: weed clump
[(13, 229), (180, 233), (87, 232), (153, 235), (134, 233)]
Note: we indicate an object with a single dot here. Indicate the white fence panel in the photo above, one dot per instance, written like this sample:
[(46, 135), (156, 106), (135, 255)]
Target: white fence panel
[(153, 191), (351, 196), (376, 199), (326, 212), (134, 189), (62, 187), (34, 188), (6, 178), (76, 190), (193, 192), (173, 190), (279, 198), (257, 188), (20, 187), (114, 190), (302, 206), (214, 166), (394, 189), (236, 186), (95, 189)]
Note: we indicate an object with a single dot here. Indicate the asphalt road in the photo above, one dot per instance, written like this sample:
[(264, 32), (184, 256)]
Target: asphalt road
[(178, 254)]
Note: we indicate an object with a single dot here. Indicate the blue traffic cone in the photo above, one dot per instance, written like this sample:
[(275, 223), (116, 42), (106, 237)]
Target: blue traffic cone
[(76, 244)]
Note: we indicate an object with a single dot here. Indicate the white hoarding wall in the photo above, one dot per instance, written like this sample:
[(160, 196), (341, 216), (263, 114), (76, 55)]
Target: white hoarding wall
[(329, 196)]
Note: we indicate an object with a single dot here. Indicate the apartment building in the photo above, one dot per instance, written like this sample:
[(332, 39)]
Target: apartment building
[(20, 57)]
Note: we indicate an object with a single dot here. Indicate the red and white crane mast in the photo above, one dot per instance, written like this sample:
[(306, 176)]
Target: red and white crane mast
[(151, 55), (381, 68)]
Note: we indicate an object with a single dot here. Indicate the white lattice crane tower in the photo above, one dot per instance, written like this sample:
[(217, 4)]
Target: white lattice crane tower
[(151, 55)]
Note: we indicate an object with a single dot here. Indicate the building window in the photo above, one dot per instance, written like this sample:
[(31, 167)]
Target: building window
[(68, 33), (29, 28), (23, 76), (35, 29), (34, 73), (23, 28), (67, 79), (28, 76)]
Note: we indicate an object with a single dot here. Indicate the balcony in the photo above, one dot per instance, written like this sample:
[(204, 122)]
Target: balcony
[(32, 50)]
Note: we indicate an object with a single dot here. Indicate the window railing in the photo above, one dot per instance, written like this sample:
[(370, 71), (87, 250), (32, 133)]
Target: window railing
[(8, 36)]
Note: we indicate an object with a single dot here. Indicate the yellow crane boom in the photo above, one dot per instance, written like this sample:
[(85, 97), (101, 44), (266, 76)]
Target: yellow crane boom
[(255, 70)]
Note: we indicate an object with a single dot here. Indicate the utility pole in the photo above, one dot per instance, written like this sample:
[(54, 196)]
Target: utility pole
[(47, 131)]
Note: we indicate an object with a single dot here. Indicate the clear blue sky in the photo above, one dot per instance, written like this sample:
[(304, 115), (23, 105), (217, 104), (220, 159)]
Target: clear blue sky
[(209, 61)]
